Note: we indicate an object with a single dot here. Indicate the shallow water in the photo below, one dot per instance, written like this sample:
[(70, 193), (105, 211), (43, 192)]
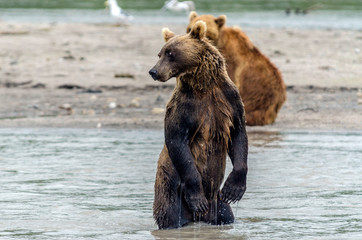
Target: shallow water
[(259, 19), (330, 14), (98, 184)]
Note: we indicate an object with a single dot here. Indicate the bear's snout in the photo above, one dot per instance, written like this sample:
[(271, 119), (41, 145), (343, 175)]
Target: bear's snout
[(153, 73)]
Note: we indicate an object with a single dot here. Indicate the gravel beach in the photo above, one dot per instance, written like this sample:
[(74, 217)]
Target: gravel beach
[(96, 75)]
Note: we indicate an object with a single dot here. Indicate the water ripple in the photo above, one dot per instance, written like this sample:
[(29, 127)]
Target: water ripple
[(98, 184)]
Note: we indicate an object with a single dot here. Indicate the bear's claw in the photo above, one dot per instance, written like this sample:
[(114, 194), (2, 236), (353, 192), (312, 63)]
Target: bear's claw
[(232, 194), (234, 187), (198, 204)]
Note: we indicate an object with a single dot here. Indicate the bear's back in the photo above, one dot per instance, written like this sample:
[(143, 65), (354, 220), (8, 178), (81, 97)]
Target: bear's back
[(246, 63), (235, 38)]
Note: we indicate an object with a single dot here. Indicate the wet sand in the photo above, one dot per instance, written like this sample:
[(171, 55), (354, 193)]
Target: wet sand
[(96, 75)]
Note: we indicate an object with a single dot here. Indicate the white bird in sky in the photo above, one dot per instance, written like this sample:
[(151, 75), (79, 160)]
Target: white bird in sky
[(176, 6), (117, 12)]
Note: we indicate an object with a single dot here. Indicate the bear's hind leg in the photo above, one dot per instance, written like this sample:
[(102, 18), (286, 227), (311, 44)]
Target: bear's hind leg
[(225, 214), (220, 213), (169, 210)]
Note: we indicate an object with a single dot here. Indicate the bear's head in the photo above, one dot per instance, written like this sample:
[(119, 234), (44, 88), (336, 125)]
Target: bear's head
[(181, 54), (213, 24)]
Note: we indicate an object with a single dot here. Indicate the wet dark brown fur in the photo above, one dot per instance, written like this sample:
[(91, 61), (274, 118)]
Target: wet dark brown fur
[(204, 122), (260, 83)]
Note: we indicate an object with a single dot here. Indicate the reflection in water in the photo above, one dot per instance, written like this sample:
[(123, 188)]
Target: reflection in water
[(264, 139), (98, 184), (199, 231)]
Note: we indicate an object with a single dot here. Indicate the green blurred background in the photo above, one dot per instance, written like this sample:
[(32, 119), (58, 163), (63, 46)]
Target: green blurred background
[(205, 5)]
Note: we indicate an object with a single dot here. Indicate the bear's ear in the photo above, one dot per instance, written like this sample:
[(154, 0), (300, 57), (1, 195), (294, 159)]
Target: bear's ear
[(192, 15), (220, 20), (167, 34), (198, 31)]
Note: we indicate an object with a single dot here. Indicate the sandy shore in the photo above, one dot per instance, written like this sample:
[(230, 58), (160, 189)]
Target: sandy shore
[(92, 75)]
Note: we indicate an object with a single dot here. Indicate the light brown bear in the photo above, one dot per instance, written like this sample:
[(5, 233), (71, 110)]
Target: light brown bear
[(260, 83), (204, 122)]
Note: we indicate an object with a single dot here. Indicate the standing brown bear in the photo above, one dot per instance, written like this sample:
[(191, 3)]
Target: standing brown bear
[(260, 83), (204, 122)]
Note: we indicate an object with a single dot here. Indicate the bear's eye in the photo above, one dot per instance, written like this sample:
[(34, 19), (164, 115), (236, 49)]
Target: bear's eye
[(170, 55)]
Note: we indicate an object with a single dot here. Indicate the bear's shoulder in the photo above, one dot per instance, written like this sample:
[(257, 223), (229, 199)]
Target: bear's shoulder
[(234, 36)]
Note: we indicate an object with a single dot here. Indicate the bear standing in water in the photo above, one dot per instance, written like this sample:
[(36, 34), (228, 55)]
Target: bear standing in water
[(204, 122)]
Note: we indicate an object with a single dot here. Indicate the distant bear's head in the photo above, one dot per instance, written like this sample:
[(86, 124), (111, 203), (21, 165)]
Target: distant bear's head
[(213, 24), (181, 54)]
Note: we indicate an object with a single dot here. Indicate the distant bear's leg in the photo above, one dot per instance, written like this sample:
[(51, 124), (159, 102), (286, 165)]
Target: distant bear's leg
[(271, 113), (254, 118), (262, 116)]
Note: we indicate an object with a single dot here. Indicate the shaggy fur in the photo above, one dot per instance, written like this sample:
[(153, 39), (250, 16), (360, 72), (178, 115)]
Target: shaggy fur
[(204, 122), (258, 80)]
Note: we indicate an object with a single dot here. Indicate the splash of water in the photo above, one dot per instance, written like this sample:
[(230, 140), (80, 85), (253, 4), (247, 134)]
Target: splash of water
[(180, 210), (236, 210)]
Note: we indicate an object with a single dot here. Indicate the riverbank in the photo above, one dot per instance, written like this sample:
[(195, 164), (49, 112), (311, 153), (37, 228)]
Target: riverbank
[(96, 75)]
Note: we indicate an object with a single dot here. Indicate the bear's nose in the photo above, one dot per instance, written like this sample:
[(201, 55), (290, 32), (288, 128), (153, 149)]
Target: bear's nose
[(153, 73)]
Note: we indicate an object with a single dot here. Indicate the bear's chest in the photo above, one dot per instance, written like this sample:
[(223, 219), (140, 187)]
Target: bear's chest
[(214, 119), (209, 142), (207, 116)]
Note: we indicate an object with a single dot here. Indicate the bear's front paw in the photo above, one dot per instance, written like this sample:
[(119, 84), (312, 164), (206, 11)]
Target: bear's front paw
[(234, 187), (197, 203)]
